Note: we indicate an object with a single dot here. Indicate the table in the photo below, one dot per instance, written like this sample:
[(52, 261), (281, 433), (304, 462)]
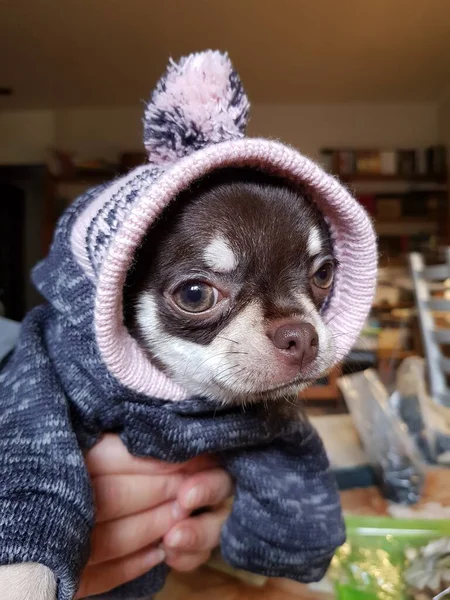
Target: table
[(207, 584)]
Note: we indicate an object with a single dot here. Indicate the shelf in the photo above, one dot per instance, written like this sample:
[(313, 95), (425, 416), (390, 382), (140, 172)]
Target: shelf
[(425, 220), (355, 177), (403, 228)]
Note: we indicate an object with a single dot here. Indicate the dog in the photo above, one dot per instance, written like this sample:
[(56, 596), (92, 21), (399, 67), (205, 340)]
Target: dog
[(227, 291), (226, 294)]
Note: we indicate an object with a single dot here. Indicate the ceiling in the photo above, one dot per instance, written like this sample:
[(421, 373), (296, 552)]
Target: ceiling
[(63, 53)]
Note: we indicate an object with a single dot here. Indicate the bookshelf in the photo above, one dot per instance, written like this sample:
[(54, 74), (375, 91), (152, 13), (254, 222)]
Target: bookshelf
[(380, 177), (404, 190)]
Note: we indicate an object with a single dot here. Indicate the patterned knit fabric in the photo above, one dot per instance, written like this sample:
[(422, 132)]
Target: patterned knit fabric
[(76, 372)]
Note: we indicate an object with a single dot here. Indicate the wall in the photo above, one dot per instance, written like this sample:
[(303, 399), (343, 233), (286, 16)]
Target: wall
[(99, 132), (105, 132), (25, 136), (444, 123), (310, 128), (108, 131)]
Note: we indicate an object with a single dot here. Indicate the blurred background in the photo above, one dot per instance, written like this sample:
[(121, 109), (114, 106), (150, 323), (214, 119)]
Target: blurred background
[(361, 86), (324, 75)]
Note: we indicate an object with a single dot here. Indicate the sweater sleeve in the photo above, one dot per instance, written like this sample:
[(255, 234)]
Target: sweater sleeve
[(286, 518), (46, 508)]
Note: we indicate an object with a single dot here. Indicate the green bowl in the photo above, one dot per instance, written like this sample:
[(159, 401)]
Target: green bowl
[(370, 565)]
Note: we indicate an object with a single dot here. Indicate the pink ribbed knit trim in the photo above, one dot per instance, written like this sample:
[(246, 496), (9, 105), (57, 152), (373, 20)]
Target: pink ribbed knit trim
[(354, 246)]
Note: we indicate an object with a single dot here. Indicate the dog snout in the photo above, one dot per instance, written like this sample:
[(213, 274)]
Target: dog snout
[(298, 340)]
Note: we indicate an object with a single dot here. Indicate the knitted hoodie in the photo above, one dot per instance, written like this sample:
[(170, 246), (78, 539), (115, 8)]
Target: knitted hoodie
[(76, 372)]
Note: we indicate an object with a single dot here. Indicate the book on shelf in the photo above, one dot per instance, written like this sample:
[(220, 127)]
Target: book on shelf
[(346, 162), (368, 162), (393, 247), (389, 208), (436, 158), (420, 204), (388, 162), (403, 162), (406, 163), (416, 205), (421, 161), (328, 160), (369, 201)]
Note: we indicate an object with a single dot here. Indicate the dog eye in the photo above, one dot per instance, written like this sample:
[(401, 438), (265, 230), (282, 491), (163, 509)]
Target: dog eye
[(196, 296), (323, 277)]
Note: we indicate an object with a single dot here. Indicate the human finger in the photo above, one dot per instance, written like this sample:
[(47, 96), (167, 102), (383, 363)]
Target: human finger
[(206, 488), (187, 561), (197, 534), (117, 496), (115, 539)]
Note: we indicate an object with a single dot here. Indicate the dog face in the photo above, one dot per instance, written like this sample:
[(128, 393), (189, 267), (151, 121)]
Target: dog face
[(226, 291)]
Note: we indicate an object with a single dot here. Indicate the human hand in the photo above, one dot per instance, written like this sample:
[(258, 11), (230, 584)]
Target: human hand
[(143, 517)]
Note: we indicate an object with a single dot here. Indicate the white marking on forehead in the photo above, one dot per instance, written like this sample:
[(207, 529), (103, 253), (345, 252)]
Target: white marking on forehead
[(308, 306), (314, 242), (219, 256)]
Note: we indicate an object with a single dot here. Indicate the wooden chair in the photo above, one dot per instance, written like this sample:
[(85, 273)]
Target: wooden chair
[(432, 293)]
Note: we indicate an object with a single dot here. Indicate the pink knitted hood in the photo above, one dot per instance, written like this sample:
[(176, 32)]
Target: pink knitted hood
[(195, 123)]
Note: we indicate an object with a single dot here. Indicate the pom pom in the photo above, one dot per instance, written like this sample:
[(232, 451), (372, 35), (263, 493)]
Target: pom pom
[(199, 101)]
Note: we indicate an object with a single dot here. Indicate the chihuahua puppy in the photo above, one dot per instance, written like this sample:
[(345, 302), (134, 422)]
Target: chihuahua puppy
[(226, 296), (227, 291)]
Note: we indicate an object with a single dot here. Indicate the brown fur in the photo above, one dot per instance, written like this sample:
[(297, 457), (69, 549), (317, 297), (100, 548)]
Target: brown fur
[(264, 219)]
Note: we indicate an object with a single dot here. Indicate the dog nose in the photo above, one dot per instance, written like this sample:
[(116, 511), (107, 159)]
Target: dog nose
[(299, 340)]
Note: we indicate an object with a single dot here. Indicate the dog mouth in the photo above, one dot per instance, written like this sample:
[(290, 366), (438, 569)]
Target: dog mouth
[(291, 387)]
